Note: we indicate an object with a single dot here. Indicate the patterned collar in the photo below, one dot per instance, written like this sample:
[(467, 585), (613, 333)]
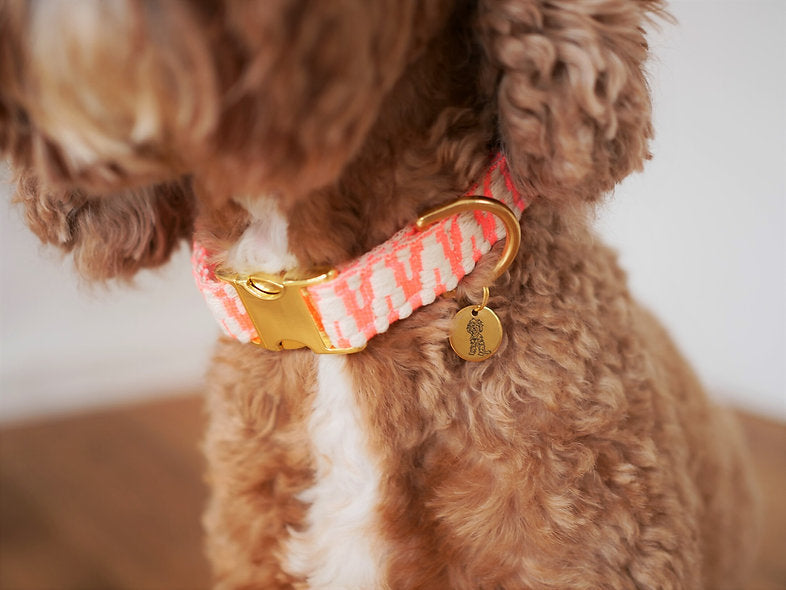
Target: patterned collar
[(340, 310)]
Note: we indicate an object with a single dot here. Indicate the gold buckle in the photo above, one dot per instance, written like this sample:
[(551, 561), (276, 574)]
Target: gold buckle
[(279, 307)]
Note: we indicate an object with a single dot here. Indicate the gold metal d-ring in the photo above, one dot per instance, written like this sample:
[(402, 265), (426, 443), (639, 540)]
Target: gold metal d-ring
[(474, 203), (483, 301)]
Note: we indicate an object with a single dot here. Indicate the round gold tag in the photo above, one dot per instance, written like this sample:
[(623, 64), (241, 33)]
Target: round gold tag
[(475, 334)]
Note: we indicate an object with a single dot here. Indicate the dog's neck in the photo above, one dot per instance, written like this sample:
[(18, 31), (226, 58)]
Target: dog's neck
[(429, 143), (432, 138)]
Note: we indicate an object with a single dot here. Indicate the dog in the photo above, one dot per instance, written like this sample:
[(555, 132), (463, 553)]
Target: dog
[(434, 375)]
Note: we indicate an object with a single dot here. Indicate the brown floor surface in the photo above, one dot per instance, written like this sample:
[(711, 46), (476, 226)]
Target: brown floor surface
[(111, 500)]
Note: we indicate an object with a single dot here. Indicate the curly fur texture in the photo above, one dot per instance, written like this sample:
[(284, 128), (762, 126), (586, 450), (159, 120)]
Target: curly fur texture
[(111, 235), (583, 455)]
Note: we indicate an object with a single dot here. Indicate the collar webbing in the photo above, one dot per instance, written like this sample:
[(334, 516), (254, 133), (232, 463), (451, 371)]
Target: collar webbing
[(364, 296)]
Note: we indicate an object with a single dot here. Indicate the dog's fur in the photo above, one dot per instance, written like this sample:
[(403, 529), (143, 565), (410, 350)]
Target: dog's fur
[(583, 455)]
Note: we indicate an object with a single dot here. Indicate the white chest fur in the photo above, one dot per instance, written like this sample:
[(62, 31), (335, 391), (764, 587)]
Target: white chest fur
[(339, 546), (263, 247)]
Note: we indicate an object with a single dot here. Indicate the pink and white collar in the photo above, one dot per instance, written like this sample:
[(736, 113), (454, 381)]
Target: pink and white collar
[(341, 310)]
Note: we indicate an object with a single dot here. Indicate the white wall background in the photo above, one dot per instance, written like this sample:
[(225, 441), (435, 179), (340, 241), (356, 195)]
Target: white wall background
[(701, 232)]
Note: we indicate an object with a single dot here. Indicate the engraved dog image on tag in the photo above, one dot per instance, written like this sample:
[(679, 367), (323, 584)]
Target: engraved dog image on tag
[(476, 333)]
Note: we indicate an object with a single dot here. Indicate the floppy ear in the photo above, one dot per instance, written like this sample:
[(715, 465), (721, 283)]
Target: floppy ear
[(114, 213), (572, 100), (110, 235)]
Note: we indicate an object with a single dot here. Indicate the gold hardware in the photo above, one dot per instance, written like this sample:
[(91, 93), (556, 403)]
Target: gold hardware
[(485, 299), (278, 306), (499, 209), (477, 331)]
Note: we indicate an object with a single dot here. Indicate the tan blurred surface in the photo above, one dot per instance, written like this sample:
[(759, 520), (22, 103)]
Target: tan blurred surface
[(108, 500), (112, 500)]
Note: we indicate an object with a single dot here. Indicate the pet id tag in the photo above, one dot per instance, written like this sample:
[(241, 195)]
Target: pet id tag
[(476, 333)]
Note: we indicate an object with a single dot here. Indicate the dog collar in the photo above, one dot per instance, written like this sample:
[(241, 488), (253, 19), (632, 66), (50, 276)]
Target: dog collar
[(339, 310)]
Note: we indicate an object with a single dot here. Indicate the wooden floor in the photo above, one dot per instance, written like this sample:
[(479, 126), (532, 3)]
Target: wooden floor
[(112, 500)]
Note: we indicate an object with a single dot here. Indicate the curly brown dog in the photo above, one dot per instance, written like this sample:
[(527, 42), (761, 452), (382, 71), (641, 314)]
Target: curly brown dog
[(291, 135)]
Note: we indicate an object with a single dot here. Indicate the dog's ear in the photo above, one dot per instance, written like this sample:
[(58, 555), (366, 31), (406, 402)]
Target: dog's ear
[(99, 95), (110, 235), (86, 183), (572, 99)]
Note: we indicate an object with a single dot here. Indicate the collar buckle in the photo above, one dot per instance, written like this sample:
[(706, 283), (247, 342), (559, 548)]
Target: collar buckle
[(280, 308)]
